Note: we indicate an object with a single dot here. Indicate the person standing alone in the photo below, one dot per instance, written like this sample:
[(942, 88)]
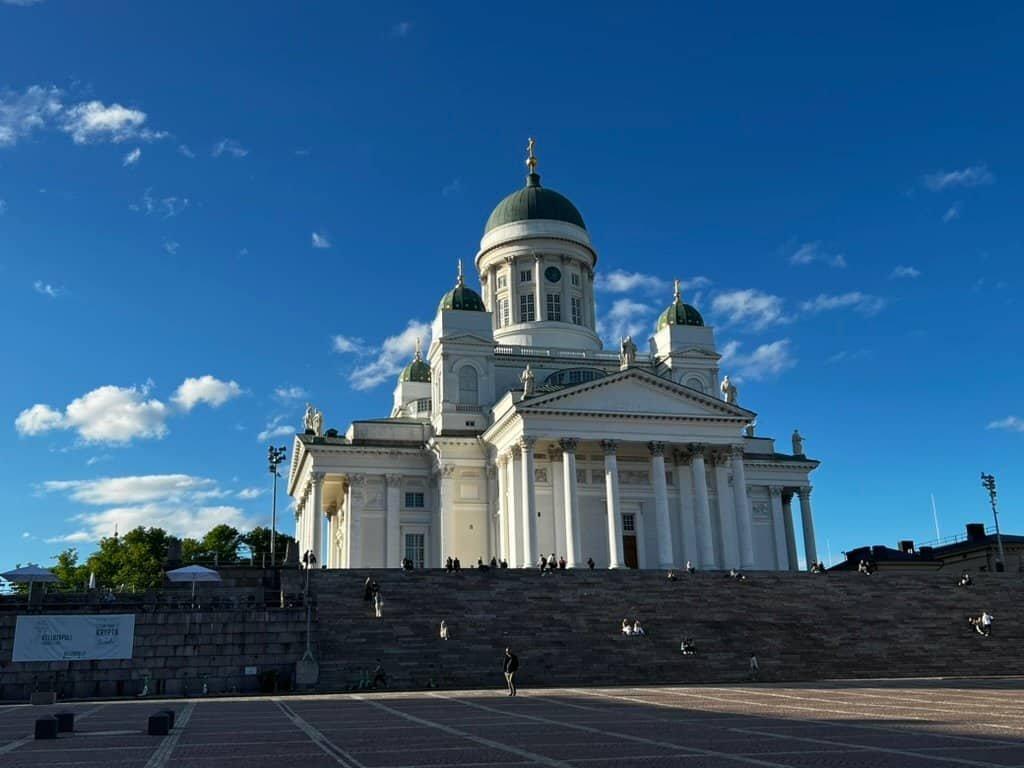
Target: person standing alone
[(510, 667)]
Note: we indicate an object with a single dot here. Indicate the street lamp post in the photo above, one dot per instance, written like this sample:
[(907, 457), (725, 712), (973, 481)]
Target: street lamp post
[(988, 482), (275, 456)]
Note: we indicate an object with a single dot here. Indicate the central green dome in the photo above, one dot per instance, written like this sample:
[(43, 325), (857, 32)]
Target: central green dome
[(534, 202)]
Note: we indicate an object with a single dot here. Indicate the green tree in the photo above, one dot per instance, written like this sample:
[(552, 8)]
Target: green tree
[(221, 544), (71, 574), (258, 542), (191, 550), (133, 561)]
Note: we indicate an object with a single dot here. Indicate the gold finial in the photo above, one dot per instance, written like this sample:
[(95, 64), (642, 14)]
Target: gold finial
[(460, 281), (678, 296), (531, 159), (418, 349)]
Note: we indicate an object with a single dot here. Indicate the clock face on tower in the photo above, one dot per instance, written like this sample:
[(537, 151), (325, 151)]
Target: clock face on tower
[(553, 274)]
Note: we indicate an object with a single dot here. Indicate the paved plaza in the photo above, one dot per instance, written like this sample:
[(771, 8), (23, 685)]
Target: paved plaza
[(866, 724)]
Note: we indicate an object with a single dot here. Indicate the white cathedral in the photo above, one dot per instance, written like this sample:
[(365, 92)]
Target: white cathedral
[(519, 436)]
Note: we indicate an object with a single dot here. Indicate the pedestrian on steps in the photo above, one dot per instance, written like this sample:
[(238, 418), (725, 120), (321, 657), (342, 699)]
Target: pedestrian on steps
[(444, 629), (755, 668), (510, 667), (378, 604)]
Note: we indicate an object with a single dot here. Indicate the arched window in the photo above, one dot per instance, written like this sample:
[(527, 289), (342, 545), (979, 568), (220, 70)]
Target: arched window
[(694, 383), (468, 386)]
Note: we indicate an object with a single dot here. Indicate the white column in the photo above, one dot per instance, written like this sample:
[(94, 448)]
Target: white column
[(664, 524), (515, 508), (687, 514), (778, 528), (513, 291), (611, 485), (705, 532), (446, 481), (528, 500), (726, 513), (787, 519), (571, 503), (739, 487), (566, 301), (538, 290), (810, 550), (316, 518), (557, 499), (357, 485), (503, 515), (493, 521), (393, 523)]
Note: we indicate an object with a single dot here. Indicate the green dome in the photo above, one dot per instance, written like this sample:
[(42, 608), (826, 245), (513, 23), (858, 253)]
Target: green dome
[(534, 202), (462, 298), (417, 370), (679, 313)]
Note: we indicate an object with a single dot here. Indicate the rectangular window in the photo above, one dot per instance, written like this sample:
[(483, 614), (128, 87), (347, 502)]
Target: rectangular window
[(414, 499), (503, 318), (502, 281), (581, 476), (414, 548), (628, 524), (576, 279), (527, 312), (577, 311), (554, 306), (597, 476), (525, 275)]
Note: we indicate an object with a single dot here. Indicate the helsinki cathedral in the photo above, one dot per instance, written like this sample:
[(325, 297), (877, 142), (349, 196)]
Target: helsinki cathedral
[(517, 435)]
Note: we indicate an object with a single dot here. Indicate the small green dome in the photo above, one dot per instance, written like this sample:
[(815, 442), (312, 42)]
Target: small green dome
[(534, 202), (417, 370), (679, 313), (462, 298)]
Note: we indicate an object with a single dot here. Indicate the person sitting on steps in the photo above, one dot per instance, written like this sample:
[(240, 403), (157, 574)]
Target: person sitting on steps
[(449, 565), (380, 676), (627, 628), (965, 580), (590, 563), (688, 647), (637, 628), (671, 575), (689, 567)]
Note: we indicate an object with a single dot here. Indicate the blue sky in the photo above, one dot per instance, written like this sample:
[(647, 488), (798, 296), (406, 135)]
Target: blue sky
[(209, 217)]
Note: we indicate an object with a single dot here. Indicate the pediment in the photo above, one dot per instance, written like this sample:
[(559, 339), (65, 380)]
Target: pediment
[(634, 392), (466, 338)]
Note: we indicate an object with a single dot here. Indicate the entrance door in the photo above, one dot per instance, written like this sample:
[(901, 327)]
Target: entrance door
[(629, 540)]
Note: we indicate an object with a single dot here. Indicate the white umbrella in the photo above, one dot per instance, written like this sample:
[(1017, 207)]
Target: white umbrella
[(193, 573), (28, 574), (92, 580)]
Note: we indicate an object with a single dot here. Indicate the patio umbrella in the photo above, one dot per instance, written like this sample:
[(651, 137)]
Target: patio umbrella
[(92, 580), (195, 574), (28, 574)]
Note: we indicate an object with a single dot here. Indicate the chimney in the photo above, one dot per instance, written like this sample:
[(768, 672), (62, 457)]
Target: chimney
[(975, 531)]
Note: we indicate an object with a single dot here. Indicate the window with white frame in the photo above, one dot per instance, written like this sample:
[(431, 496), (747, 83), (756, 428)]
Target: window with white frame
[(628, 523), (414, 499), (525, 275), (554, 306), (502, 281), (469, 393), (575, 279), (503, 316), (527, 312), (577, 311), (414, 549)]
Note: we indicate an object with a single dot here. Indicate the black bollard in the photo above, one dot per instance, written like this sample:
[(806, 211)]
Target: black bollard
[(65, 722), (46, 728), (170, 716), (158, 724)]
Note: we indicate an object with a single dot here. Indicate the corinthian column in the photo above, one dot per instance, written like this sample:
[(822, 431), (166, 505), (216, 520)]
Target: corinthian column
[(392, 525), (739, 487), (529, 503), (572, 503), (705, 533), (611, 485), (448, 543), (316, 518), (810, 550), (778, 528), (661, 517)]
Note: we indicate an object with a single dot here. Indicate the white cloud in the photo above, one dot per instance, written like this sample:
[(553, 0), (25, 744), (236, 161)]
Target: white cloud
[(131, 489), (251, 493), (97, 459), (401, 29), (228, 147), (952, 213), (108, 414), (21, 2), (452, 187), (320, 240), (1010, 424), (811, 252), (3, 206), (167, 206), (95, 121), (765, 361), (78, 537), (289, 393), (902, 271), (345, 344), (171, 246), (205, 389), (972, 176), (184, 151), (132, 157), (21, 114), (846, 355), (275, 428), (860, 302), (752, 306), (621, 281), (45, 289), (625, 318), (184, 520), (395, 353)]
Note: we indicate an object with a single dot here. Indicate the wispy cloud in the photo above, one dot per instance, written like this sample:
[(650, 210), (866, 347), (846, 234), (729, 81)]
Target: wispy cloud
[(3, 206), (94, 121), (320, 240), (168, 207), (45, 289), (228, 147), (904, 271), (973, 176), (750, 306), (205, 389), (171, 246), (625, 318), (23, 113), (346, 344), (621, 281), (276, 428), (952, 213), (21, 2), (132, 157), (401, 29), (766, 361), (453, 187), (288, 394), (251, 493), (1010, 424), (376, 364), (863, 303), (846, 355), (808, 253), (184, 151)]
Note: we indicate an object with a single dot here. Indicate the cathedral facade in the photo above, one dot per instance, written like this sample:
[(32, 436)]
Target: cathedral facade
[(518, 435)]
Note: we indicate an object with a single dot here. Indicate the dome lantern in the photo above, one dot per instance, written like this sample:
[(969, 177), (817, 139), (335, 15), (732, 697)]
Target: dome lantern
[(679, 313)]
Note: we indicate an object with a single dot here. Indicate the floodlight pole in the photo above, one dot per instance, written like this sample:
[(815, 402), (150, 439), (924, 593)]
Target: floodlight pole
[(275, 456), (988, 482)]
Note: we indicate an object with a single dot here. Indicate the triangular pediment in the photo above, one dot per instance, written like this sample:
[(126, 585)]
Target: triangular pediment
[(634, 392)]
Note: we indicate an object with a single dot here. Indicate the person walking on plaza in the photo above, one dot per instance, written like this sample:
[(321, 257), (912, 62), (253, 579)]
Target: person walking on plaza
[(755, 668), (510, 667)]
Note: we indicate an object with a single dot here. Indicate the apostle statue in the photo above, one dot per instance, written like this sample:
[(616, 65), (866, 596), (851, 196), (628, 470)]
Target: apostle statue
[(729, 391), (318, 423), (627, 353), (749, 429), (307, 420), (527, 379), (798, 443)]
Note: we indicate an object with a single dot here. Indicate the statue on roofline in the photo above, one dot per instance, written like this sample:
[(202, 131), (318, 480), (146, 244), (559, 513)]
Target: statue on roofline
[(528, 380), (729, 391), (627, 353), (798, 443)]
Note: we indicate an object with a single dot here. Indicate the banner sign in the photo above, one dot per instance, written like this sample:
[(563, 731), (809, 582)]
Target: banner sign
[(74, 638)]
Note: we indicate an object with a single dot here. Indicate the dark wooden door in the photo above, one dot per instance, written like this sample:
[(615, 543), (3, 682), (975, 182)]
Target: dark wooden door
[(629, 551)]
